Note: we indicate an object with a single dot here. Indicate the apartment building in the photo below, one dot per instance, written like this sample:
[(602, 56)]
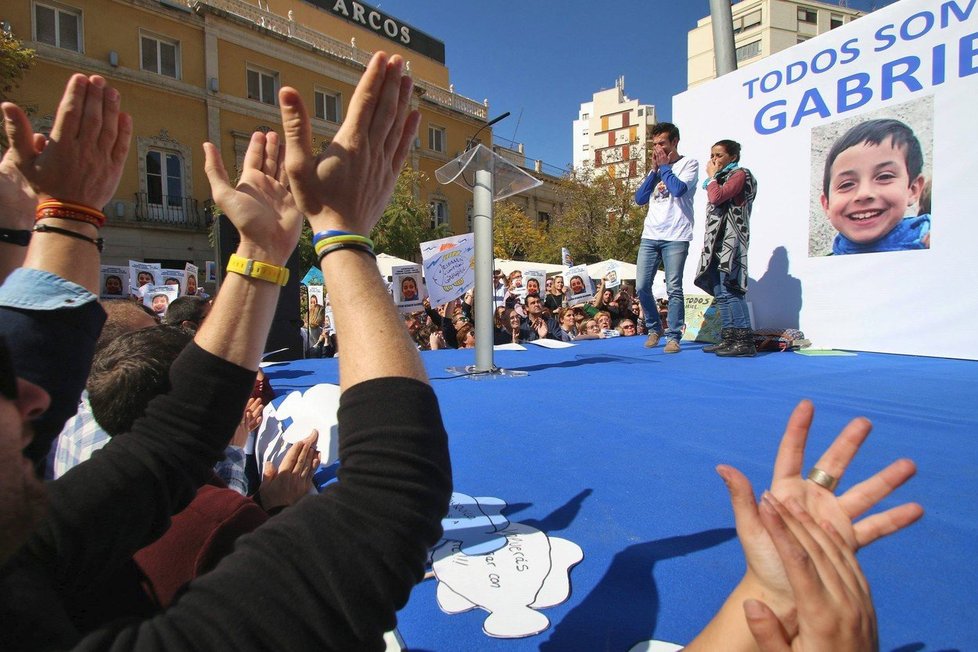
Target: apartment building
[(611, 132), (210, 70), (761, 28)]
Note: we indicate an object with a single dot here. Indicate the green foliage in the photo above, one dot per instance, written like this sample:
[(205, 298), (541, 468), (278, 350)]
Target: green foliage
[(598, 218), (516, 236), (15, 61), (406, 221)]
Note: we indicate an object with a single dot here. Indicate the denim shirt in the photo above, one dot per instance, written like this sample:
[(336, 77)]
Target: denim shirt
[(51, 326)]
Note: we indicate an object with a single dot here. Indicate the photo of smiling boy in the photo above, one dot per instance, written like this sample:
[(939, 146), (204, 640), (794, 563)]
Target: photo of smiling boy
[(872, 176)]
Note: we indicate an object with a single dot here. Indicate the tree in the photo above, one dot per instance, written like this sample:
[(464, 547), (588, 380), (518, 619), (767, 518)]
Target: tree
[(598, 218), (15, 61), (406, 222), (516, 236)]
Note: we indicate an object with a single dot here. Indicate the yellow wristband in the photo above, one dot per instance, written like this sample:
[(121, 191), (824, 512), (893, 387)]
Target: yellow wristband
[(257, 269)]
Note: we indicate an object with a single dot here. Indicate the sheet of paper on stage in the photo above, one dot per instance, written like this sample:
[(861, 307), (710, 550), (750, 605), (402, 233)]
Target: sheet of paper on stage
[(509, 347), (552, 344)]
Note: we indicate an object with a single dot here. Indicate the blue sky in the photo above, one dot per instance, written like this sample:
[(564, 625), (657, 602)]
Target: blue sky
[(541, 59)]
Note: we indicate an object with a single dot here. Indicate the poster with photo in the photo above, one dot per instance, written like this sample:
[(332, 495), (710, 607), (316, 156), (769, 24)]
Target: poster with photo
[(612, 275), (158, 297), (579, 287), (177, 277), (114, 282), (315, 297), (190, 270), (535, 282), (408, 286), (141, 274), (328, 323)]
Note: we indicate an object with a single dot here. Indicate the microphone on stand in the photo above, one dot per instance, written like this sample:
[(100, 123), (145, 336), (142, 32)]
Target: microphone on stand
[(471, 141)]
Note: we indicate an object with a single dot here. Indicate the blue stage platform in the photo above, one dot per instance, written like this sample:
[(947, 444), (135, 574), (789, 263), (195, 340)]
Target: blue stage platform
[(613, 446)]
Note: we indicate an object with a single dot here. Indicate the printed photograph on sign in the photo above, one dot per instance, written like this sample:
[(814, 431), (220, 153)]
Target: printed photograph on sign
[(176, 278), (579, 285), (141, 274), (158, 297), (191, 274), (534, 280), (871, 180), (115, 282), (408, 287)]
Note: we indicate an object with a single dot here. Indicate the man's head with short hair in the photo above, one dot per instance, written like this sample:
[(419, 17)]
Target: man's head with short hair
[(188, 312), (534, 306), (129, 372), (123, 316)]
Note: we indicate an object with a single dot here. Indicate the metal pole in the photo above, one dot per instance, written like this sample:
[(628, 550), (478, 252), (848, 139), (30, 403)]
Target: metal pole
[(724, 51), (482, 193)]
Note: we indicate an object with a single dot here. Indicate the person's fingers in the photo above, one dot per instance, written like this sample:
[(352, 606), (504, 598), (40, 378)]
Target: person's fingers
[(850, 572), (216, 174), (765, 627), (268, 472), (20, 134), (885, 523), (830, 563), (798, 552), (403, 107), (40, 142), (363, 103), (255, 154), (280, 174), (407, 137), (862, 497), (791, 451), (110, 119), (297, 134), (270, 164), (69, 113), (123, 139), (386, 109), (742, 501), (840, 452), (91, 125)]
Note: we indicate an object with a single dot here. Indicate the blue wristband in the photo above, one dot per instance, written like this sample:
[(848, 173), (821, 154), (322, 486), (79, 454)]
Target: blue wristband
[(322, 235)]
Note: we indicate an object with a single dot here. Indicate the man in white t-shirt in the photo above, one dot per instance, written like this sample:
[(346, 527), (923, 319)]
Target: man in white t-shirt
[(668, 191)]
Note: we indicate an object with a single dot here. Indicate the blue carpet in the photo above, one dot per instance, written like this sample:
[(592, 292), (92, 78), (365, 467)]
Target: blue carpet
[(613, 446)]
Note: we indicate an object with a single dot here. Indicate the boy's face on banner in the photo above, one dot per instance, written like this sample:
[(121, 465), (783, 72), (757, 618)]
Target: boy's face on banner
[(869, 191)]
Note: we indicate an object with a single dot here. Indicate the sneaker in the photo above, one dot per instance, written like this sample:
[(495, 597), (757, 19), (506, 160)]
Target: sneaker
[(672, 346), (652, 341)]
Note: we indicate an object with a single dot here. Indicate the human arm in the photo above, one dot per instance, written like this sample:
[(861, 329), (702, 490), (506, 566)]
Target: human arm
[(644, 191), (679, 185), (765, 577), (49, 311), (719, 193)]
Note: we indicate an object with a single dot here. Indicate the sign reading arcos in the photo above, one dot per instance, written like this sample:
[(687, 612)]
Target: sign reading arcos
[(389, 27)]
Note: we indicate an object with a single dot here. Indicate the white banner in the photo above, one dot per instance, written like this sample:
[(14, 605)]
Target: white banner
[(858, 139)]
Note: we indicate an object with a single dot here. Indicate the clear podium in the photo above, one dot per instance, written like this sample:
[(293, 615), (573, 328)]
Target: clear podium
[(490, 177)]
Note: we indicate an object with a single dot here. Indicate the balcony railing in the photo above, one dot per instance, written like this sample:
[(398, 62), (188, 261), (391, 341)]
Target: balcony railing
[(319, 41), (181, 212)]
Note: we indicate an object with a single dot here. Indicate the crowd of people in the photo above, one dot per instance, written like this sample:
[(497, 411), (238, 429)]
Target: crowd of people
[(141, 543)]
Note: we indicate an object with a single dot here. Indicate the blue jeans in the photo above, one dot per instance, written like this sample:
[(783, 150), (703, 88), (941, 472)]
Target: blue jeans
[(732, 305), (672, 254)]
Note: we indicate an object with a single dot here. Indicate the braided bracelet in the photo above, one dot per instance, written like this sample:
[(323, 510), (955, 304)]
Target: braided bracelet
[(70, 211), (345, 245), (44, 228)]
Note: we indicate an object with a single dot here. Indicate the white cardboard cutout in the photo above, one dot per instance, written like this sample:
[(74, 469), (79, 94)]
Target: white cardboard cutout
[(655, 646), (475, 523), (531, 572), (316, 408)]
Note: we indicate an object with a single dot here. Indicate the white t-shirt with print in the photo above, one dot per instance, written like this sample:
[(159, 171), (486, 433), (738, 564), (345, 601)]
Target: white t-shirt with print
[(671, 218)]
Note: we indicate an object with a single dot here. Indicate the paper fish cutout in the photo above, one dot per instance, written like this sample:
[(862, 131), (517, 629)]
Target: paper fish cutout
[(655, 646), (531, 572), (313, 409), (475, 523)]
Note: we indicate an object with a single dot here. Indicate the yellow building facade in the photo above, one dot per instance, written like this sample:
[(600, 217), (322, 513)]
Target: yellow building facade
[(211, 70)]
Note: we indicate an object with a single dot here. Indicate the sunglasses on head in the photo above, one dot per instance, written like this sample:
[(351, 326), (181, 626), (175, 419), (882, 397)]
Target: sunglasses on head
[(8, 379)]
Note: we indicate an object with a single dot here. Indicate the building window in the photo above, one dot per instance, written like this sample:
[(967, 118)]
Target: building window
[(585, 116), (58, 26), (436, 139), (439, 212), (160, 55), (747, 22), (164, 178), (802, 39), (328, 105), (641, 112), (543, 217), (748, 51), (262, 85), (807, 15), (835, 21)]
